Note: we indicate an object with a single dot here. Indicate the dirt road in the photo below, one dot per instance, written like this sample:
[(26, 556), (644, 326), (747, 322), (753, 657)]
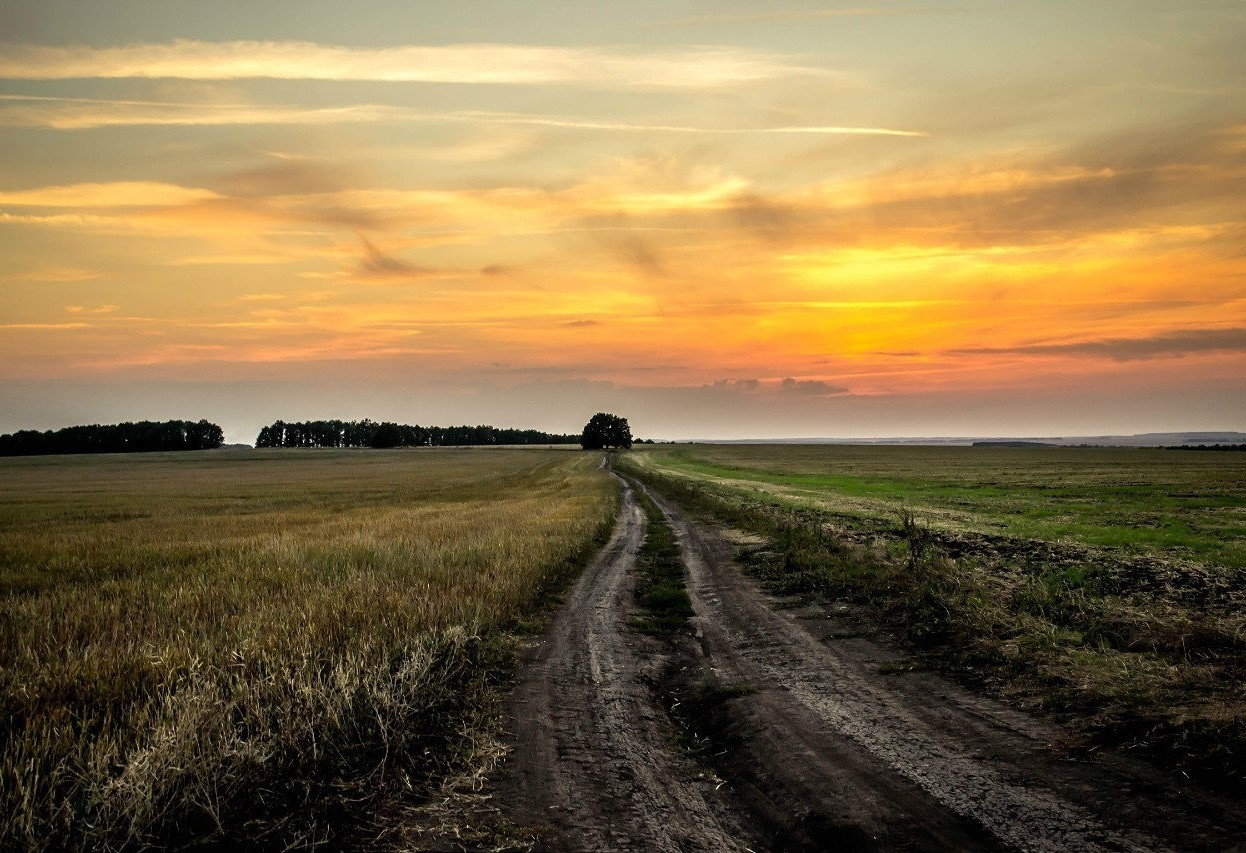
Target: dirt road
[(594, 766), (825, 743)]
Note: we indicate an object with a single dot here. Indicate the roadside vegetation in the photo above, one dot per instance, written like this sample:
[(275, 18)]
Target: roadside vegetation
[(694, 699), (661, 595), (266, 649), (1106, 588)]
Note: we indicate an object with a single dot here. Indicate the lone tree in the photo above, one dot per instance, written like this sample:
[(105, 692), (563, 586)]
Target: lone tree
[(605, 431)]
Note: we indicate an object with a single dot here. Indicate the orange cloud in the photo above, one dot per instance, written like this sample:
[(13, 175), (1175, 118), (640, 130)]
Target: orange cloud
[(939, 276), (105, 195)]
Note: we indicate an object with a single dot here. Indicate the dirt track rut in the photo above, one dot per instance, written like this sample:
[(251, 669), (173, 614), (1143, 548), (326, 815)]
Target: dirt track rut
[(594, 765), (827, 751)]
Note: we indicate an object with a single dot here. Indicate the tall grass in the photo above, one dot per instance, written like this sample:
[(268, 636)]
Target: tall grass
[(262, 649)]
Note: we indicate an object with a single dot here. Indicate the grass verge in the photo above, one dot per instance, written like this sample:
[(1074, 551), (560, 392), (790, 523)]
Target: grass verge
[(660, 592), (693, 699), (1158, 673)]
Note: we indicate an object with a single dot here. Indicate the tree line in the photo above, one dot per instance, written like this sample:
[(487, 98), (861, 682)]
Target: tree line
[(367, 433), (1207, 447), (603, 431), (129, 437)]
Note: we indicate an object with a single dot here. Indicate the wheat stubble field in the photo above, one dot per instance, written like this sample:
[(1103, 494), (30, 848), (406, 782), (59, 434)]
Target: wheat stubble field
[(264, 646)]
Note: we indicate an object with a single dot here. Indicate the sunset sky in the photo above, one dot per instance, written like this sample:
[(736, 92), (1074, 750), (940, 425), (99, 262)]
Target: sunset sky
[(720, 220)]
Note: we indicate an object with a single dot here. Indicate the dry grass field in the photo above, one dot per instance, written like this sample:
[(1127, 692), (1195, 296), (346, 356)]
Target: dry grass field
[(263, 647), (1106, 587)]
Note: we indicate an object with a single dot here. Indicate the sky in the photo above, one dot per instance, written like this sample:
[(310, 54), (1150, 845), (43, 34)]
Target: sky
[(719, 220)]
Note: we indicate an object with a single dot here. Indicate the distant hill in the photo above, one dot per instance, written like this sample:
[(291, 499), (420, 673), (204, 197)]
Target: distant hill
[(1146, 439), (1150, 439)]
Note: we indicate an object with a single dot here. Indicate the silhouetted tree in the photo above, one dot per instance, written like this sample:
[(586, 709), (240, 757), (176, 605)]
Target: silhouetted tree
[(604, 431), (129, 437), (363, 433), (387, 435)]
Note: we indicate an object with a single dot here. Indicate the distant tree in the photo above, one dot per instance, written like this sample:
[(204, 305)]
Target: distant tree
[(387, 435), (334, 433), (115, 438), (604, 430), (203, 435)]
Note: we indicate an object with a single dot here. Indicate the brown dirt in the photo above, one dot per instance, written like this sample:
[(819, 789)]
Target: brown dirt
[(823, 738), (595, 764)]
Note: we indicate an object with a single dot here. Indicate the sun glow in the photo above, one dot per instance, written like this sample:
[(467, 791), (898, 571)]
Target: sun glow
[(469, 212)]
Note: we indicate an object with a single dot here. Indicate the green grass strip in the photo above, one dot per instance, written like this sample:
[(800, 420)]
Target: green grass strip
[(660, 591)]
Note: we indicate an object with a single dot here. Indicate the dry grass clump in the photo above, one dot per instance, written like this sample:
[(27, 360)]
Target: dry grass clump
[(262, 649)]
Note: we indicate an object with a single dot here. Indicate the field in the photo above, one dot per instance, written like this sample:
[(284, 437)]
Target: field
[(1184, 505), (294, 648), (1106, 587), (274, 646)]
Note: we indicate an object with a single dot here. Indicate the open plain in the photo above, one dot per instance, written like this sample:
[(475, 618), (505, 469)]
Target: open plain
[(264, 648), (773, 648)]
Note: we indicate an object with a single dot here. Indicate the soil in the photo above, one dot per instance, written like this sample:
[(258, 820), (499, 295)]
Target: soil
[(797, 725), (596, 765)]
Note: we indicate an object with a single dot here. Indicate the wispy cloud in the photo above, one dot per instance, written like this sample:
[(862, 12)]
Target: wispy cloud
[(115, 194), (787, 386), (811, 387), (86, 113), (462, 63), (631, 127), (377, 264), (60, 113), (58, 274), (88, 221), (220, 259), (1165, 344), (783, 16)]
